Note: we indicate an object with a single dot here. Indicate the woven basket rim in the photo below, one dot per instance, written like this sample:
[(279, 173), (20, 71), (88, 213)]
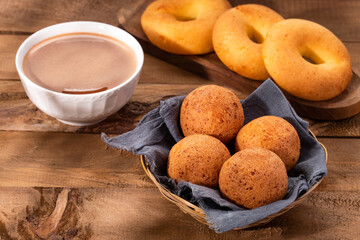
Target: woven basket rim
[(199, 214)]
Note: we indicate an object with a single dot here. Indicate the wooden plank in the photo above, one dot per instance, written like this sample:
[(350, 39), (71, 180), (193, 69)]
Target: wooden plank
[(30, 16), (349, 127), (160, 72), (11, 90), (17, 16), (340, 17), (72, 160), (354, 50), (82, 160), (343, 165), (18, 113), (135, 213), (8, 47)]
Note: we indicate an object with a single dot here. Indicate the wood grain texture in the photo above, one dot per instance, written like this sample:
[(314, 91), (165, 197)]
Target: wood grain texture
[(341, 17), (83, 160), (30, 16), (19, 114), (354, 50), (338, 16), (48, 225), (66, 160), (343, 165), (8, 48), (135, 213), (342, 128)]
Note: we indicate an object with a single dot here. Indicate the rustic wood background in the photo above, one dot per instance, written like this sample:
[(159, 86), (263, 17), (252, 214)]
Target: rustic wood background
[(62, 182)]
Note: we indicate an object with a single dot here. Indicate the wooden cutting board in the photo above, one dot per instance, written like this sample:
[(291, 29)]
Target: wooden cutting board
[(209, 66)]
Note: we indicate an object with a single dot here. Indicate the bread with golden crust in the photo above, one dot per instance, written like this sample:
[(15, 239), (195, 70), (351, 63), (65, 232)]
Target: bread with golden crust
[(197, 159), (234, 34), (212, 110), (287, 46), (273, 133), (182, 26), (253, 177)]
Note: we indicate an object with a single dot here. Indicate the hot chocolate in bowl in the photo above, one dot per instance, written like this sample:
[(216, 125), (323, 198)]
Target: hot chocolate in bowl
[(80, 72)]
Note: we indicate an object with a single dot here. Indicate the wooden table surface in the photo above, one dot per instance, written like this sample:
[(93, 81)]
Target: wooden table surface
[(63, 182)]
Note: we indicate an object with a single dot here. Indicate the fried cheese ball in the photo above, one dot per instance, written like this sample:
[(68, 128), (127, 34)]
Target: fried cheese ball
[(253, 177), (197, 159), (212, 110), (273, 133)]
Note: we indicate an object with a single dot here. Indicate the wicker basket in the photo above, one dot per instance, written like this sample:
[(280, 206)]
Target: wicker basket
[(199, 214)]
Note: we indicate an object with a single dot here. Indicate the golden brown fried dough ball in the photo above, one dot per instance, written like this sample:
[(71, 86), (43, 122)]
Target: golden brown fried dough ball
[(197, 159), (212, 110), (253, 177), (273, 133)]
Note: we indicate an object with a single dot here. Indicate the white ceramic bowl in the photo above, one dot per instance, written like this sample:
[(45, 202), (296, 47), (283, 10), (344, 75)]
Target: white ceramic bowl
[(81, 109)]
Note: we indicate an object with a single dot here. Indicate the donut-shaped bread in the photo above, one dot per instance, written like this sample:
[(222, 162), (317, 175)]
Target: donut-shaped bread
[(253, 177), (238, 35), (197, 159), (273, 133), (212, 110), (182, 26), (287, 45)]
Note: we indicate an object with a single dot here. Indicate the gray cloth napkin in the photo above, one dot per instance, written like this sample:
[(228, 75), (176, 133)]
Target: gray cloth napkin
[(159, 130)]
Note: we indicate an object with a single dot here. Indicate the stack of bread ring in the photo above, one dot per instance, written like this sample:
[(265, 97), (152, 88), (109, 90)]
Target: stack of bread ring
[(212, 121), (302, 57)]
